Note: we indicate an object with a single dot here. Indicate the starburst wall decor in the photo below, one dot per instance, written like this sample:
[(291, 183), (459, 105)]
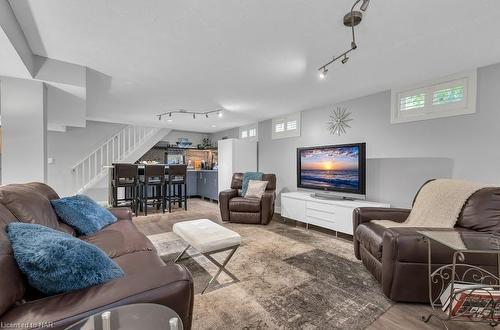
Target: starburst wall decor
[(339, 121)]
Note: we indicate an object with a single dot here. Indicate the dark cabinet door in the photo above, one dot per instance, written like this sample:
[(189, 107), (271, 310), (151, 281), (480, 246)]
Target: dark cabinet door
[(192, 184), (212, 185), (202, 184)]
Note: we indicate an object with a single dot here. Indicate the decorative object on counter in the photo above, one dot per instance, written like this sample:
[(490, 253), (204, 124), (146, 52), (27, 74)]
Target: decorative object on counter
[(206, 144), (149, 162), (339, 121), (204, 114), (184, 143)]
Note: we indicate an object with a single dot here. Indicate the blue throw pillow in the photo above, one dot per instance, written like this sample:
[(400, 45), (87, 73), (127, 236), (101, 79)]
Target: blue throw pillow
[(247, 176), (55, 262), (83, 214)]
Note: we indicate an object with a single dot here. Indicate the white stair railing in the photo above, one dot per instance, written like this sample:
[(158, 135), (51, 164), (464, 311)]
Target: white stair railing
[(91, 168)]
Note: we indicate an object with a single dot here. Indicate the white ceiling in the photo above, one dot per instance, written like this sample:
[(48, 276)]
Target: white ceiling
[(255, 58)]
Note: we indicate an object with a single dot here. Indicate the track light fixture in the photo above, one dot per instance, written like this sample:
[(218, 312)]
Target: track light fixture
[(351, 19), (193, 113), (323, 73), (364, 5)]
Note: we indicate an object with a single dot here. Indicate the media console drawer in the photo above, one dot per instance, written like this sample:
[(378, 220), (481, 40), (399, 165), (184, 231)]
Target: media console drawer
[(332, 214)]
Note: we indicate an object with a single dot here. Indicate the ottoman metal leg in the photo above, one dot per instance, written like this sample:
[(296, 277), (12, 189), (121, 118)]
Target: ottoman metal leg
[(182, 253), (221, 267)]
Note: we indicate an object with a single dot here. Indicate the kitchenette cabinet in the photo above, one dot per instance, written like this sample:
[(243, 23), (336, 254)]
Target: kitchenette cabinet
[(203, 183)]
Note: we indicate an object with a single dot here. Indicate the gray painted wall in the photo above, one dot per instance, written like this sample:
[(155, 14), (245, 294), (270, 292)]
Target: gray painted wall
[(67, 148), (400, 156), (230, 134)]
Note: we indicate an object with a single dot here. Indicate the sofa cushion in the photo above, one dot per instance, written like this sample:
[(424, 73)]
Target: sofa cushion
[(42, 189), (169, 285), (55, 262), (371, 236), (242, 204), (120, 238), (138, 261), (28, 205), (12, 286), (482, 211), (83, 214)]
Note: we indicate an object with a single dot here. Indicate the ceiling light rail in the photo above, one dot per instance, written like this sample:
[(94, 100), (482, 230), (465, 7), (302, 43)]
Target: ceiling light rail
[(206, 114), (351, 19)]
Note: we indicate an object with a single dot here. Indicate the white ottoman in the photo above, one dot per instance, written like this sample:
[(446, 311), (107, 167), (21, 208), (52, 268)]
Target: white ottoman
[(208, 237)]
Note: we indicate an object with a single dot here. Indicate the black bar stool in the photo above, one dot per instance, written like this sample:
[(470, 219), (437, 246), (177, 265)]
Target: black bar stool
[(125, 176), (154, 178), (177, 186)]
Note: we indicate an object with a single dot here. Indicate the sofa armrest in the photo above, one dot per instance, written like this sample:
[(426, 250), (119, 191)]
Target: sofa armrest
[(267, 207), (121, 213), (224, 198), (171, 286)]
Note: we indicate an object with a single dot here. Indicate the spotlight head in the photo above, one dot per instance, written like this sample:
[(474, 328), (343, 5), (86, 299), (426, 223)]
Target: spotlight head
[(159, 117), (364, 5), (322, 73), (206, 115), (194, 116), (170, 114), (345, 59), (219, 114)]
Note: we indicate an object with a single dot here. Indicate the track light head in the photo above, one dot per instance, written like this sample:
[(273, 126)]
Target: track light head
[(206, 115), (170, 114), (364, 5), (345, 59), (159, 117), (219, 114), (322, 73), (194, 116)]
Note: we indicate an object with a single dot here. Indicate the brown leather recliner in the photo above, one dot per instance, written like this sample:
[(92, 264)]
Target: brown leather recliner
[(397, 257), (235, 208), (147, 279)]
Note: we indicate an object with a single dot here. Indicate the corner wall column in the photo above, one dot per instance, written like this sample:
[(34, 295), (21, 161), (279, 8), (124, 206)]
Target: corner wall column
[(23, 110)]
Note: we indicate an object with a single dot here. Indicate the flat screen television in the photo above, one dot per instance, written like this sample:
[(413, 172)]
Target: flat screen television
[(336, 168)]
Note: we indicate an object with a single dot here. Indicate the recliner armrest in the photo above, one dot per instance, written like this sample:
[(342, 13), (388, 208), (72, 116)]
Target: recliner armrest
[(224, 198), (366, 214), (267, 207), (121, 213)]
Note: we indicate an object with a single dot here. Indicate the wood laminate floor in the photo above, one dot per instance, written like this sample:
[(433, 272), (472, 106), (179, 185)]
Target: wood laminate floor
[(399, 316)]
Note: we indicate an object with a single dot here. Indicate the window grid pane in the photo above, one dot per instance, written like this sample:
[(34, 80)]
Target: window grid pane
[(252, 132), (244, 134), (279, 127), (291, 125), (412, 102), (448, 95)]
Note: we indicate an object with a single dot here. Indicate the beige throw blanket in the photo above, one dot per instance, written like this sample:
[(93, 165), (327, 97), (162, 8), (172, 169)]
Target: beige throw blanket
[(438, 204)]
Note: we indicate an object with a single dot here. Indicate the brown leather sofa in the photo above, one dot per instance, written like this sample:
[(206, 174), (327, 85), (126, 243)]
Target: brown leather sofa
[(147, 279), (235, 208), (397, 257)]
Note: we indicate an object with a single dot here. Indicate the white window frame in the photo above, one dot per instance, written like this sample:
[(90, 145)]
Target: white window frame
[(287, 132), (432, 111), (246, 129)]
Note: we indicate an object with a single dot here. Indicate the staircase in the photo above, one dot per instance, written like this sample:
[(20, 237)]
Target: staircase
[(126, 146)]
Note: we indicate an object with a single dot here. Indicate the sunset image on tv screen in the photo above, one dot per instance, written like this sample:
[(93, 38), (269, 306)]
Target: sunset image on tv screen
[(335, 167)]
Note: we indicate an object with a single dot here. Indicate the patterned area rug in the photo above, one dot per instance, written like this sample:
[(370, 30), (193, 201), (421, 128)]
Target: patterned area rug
[(289, 278)]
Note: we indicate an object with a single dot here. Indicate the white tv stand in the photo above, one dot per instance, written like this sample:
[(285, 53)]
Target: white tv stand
[(332, 214)]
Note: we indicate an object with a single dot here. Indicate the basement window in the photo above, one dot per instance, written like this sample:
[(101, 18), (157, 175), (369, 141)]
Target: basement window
[(450, 96), (285, 127), (248, 132)]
